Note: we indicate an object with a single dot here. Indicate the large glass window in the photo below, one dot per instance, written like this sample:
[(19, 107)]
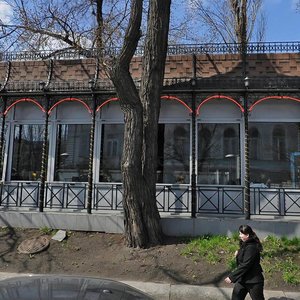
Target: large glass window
[(277, 164), (111, 152), (219, 153), (72, 152), (173, 153), (27, 152)]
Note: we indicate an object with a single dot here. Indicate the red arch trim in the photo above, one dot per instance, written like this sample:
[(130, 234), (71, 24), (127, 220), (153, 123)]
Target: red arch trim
[(70, 99), (105, 102), (177, 99), (219, 97), (25, 100), (273, 97), (163, 97)]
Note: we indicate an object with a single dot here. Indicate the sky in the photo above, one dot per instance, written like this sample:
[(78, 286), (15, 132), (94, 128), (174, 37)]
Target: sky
[(4, 11), (283, 22)]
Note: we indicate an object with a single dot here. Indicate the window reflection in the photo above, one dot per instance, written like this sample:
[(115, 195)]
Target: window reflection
[(111, 152), (278, 162), (254, 143), (279, 143), (72, 152), (27, 152), (218, 154), (230, 142), (173, 153)]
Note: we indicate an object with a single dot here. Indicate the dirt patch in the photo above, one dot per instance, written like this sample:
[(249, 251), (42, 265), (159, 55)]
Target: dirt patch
[(105, 255)]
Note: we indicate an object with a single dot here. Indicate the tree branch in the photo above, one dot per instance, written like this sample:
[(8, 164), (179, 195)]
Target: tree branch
[(132, 34)]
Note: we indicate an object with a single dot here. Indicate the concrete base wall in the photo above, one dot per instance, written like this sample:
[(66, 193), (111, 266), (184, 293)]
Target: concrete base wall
[(111, 223), (227, 226), (172, 225)]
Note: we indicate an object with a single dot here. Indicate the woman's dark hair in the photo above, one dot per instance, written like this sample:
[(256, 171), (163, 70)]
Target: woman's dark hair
[(246, 229)]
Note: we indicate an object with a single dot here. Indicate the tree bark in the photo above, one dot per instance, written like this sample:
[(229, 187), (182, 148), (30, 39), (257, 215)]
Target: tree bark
[(151, 87), (141, 112)]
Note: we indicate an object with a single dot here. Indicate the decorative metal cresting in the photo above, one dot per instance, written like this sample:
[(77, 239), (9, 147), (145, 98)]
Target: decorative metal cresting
[(176, 49), (246, 149)]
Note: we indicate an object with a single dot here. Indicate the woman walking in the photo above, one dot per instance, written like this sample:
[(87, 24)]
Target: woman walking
[(247, 277)]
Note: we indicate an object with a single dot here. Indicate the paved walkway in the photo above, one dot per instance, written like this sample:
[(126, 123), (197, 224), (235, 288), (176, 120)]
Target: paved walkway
[(160, 291), (163, 291)]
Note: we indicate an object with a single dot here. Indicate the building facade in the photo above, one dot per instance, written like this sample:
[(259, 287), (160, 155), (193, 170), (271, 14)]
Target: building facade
[(225, 129)]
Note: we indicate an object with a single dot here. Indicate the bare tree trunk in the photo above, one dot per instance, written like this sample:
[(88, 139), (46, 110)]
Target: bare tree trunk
[(239, 8), (150, 92), (99, 28), (142, 226), (141, 112)]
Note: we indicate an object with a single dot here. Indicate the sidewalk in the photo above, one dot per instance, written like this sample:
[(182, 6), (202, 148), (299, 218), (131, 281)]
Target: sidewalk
[(163, 291), (160, 291)]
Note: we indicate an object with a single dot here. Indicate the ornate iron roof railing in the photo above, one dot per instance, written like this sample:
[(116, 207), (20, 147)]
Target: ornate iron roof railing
[(234, 48), (22, 86), (234, 83), (61, 86), (215, 83), (180, 49), (256, 83)]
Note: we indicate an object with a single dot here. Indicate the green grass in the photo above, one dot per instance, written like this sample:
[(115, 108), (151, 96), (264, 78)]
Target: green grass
[(279, 254), (4, 229), (212, 248), (47, 230)]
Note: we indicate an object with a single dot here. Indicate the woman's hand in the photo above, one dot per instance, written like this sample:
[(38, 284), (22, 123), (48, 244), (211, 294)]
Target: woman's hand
[(228, 280), (236, 253)]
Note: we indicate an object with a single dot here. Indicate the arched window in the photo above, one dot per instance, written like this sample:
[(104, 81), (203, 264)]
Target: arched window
[(71, 126), (26, 121)]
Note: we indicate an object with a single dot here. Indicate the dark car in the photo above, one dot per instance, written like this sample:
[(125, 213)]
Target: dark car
[(63, 287)]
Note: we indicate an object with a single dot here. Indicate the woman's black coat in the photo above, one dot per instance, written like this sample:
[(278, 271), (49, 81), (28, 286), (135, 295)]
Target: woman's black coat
[(248, 269)]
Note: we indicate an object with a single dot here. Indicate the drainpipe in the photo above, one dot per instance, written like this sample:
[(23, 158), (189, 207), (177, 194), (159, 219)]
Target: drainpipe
[(91, 157), (193, 175), (4, 98), (246, 149), (44, 151)]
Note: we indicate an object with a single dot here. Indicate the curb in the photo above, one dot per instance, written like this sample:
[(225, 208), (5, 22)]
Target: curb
[(166, 291)]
